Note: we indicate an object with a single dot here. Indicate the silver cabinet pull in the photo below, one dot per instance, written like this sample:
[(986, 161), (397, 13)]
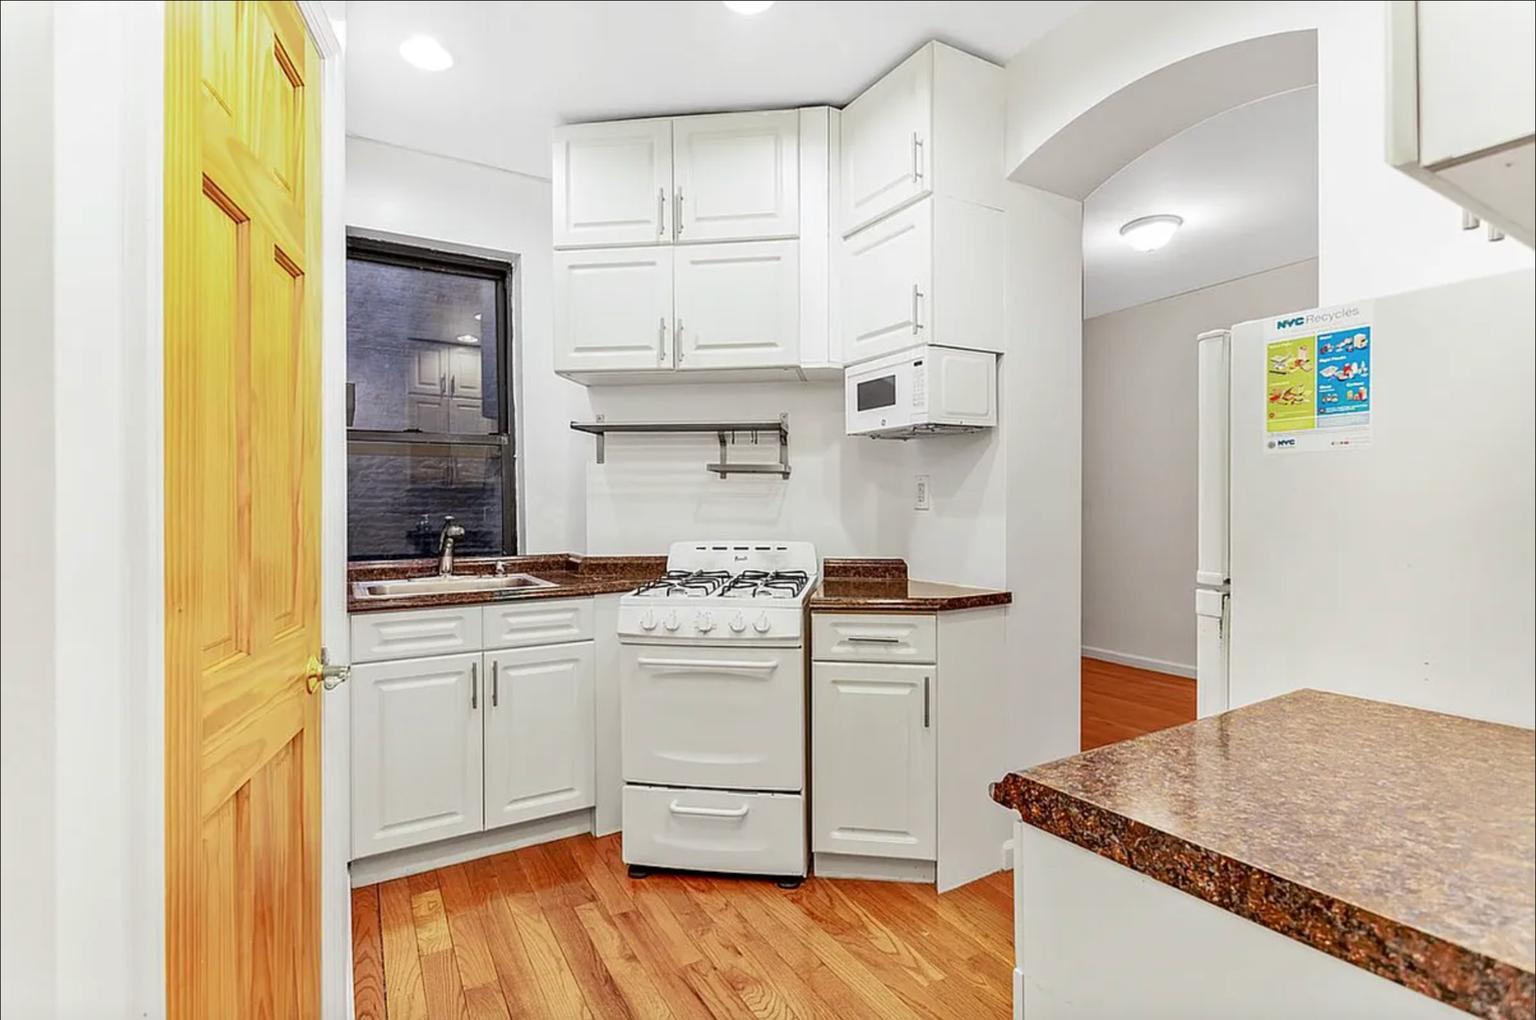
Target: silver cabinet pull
[(916, 296), (495, 683), (661, 212), (917, 158), (677, 338), (474, 685), (453, 385), (855, 639), (661, 353), (442, 382), (926, 713), (677, 212)]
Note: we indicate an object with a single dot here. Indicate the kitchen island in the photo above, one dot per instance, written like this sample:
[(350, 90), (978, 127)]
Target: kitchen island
[(1311, 855)]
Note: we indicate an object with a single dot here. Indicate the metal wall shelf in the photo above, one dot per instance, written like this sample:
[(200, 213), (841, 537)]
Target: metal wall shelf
[(725, 431)]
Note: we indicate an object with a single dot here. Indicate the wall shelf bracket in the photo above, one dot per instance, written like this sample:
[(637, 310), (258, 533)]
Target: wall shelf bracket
[(726, 432)]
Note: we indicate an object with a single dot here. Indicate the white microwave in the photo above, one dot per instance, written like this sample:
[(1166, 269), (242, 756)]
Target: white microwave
[(922, 391)]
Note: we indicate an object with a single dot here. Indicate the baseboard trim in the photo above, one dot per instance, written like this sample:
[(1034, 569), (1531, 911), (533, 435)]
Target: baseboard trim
[(876, 869), (413, 860), (1140, 662)]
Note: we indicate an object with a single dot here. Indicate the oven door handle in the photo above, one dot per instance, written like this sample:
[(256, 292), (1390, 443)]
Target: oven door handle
[(709, 812), (701, 664)]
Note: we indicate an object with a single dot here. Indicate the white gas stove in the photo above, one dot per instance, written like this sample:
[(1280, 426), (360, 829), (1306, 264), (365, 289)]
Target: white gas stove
[(712, 667), (724, 591)]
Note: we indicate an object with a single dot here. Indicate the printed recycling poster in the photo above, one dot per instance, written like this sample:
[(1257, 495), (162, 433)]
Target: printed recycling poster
[(1317, 375)]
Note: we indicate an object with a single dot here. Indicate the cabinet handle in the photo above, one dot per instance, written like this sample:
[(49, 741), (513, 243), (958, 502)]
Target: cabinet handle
[(926, 714), (474, 685), (855, 639), (677, 338), (661, 212), (495, 684), (708, 812), (677, 212), (442, 383), (453, 386), (916, 296), (661, 353), (917, 158)]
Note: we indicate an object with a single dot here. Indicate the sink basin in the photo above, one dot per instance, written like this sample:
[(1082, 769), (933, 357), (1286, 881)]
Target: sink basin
[(443, 585)]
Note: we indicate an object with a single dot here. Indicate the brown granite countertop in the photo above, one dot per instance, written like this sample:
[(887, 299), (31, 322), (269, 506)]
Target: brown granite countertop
[(1398, 840), (569, 575), (882, 586)]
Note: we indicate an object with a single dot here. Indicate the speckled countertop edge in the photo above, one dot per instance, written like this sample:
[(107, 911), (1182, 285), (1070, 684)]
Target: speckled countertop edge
[(1433, 965), (571, 576), (871, 585)]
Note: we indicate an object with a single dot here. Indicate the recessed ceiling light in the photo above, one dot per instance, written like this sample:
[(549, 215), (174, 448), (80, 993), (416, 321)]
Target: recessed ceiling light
[(747, 6), (427, 53), (1150, 233)]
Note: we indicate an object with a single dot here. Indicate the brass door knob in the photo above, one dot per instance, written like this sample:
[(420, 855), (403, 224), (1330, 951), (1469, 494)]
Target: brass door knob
[(320, 673)]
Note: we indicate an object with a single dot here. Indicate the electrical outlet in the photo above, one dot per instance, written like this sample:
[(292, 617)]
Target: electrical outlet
[(922, 493)]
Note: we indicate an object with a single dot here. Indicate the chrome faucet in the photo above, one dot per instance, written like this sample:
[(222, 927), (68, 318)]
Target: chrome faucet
[(445, 540)]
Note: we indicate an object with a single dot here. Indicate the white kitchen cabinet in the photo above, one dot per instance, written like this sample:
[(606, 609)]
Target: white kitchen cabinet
[(736, 176), (875, 753), (737, 305), (613, 183), (932, 125), (538, 732), (613, 310), (1461, 106), (929, 273), (416, 751)]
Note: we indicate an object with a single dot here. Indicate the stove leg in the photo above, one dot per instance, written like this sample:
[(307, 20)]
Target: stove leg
[(789, 883), (637, 872)]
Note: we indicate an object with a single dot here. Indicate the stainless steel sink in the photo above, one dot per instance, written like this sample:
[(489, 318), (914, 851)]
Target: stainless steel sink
[(443, 585)]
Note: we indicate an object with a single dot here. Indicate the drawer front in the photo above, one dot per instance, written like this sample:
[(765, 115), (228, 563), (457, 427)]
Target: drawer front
[(731, 717), (874, 637), (540, 622), (712, 830), (413, 633)]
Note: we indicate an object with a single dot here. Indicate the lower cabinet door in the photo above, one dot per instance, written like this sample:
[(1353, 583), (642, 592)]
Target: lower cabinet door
[(538, 732), (873, 759), (416, 763)]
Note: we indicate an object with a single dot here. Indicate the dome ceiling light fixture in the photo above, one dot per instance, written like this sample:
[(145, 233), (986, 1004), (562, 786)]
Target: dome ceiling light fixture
[(747, 6), (426, 53), (1149, 233)]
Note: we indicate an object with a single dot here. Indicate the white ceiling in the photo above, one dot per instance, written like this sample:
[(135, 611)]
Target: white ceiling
[(521, 68), (1245, 182)]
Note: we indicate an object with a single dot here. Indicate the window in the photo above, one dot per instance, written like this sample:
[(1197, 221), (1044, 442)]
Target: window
[(429, 411)]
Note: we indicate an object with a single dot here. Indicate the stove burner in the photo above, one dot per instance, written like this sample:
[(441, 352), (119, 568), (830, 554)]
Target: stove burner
[(779, 584), (753, 584), (693, 584)]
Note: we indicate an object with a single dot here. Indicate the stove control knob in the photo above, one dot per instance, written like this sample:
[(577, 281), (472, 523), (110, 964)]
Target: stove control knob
[(761, 623), (704, 622), (647, 620), (671, 621), (738, 623)]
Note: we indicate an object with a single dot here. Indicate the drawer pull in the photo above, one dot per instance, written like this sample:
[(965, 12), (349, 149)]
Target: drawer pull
[(474, 685), (709, 812), (926, 716), (854, 639), (704, 664)]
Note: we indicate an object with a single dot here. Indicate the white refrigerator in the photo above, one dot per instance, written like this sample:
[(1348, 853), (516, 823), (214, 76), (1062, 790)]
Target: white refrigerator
[(1367, 503)]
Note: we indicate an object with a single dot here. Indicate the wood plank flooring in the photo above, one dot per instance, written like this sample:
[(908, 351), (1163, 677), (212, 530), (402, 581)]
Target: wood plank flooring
[(560, 930), (1120, 702)]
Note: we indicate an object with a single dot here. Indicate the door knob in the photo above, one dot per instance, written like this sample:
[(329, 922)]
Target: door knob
[(320, 673)]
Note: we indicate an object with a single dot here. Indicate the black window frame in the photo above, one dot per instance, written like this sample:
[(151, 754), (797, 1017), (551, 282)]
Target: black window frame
[(421, 255)]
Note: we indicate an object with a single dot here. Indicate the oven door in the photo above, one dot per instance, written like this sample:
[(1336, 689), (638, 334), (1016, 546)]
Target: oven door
[(728, 717), (879, 399)]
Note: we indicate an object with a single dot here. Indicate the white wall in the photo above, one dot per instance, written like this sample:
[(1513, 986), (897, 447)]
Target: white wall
[(1042, 460), (1139, 462), (407, 192), (28, 812), (1379, 233)]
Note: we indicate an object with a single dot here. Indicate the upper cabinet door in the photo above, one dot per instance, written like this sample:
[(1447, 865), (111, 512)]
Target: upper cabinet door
[(885, 143), (736, 176), (613, 309), (613, 184), (888, 284), (738, 305)]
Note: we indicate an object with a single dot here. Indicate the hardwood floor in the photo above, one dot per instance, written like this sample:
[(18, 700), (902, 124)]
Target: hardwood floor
[(560, 930), (1120, 702)]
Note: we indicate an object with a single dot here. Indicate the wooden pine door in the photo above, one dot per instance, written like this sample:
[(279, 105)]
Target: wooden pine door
[(242, 503)]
